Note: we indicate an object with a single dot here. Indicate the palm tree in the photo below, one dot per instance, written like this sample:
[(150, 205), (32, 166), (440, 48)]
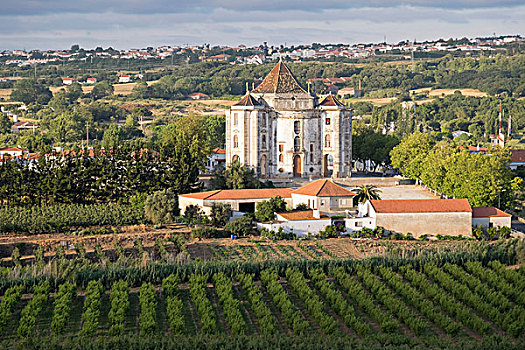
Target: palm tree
[(367, 192)]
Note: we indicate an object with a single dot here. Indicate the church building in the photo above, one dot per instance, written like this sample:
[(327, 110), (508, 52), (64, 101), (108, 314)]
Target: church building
[(281, 130)]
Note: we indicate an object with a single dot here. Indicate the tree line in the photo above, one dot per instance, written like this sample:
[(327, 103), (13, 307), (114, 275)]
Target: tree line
[(484, 179)]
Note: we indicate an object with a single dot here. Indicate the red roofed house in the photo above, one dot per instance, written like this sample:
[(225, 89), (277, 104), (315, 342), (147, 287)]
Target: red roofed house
[(517, 158), (490, 217), (12, 152), (300, 222), (217, 158), (68, 81), (91, 80), (318, 195), (446, 217), (198, 96), (124, 79), (323, 195), (20, 126)]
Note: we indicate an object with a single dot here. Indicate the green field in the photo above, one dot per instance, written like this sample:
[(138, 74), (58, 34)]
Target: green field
[(449, 301)]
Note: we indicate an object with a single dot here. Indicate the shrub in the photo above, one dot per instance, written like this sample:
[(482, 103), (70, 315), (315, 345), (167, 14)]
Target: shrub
[(161, 207), (241, 226), (205, 232), (329, 232)]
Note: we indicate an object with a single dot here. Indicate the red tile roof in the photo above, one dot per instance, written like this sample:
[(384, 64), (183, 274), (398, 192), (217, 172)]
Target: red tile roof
[(241, 194), (280, 80), (331, 101), (517, 155), (12, 149), (421, 205), (301, 215), (247, 101), (324, 188), (483, 212), (219, 151)]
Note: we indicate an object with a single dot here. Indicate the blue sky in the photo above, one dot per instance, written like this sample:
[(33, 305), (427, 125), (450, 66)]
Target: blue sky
[(122, 24)]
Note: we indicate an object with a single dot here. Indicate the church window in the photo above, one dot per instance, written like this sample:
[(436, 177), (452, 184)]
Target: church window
[(297, 144), (263, 119), (296, 126), (281, 158), (281, 148), (327, 141), (327, 121), (235, 119), (311, 153), (235, 141), (263, 139)]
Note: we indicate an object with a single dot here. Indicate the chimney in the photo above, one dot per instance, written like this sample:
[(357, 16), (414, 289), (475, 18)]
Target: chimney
[(317, 213), (359, 84)]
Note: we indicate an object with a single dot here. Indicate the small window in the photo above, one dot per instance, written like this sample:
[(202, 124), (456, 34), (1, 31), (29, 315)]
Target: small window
[(297, 144), (327, 141), (235, 141), (343, 201), (311, 153), (281, 158), (281, 148), (235, 119), (263, 119), (327, 121), (296, 127), (322, 202), (263, 139), (358, 224)]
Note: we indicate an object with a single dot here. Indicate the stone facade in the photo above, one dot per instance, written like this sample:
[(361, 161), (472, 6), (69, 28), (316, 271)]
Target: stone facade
[(281, 130)]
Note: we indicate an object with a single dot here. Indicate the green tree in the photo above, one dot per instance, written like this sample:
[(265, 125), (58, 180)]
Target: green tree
[(29, 91), (102, 89), (192, 214), (367, 192), (410, 154), (112, 137), (161, 207), (5, 124), (74, 92), (265, 210), (235, 176), (240, 227), (185, 144), (220, 214), (216, 128)]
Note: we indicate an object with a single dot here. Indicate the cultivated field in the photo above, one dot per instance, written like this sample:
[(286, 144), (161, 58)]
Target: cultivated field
[(394, 302), (464, 92)]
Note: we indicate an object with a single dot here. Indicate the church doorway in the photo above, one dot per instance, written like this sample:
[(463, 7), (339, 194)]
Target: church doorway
[(297, 166), (328, 165), (264, 166)]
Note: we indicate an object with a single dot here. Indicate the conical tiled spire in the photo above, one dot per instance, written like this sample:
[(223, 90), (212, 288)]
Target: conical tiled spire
[(279, 80)]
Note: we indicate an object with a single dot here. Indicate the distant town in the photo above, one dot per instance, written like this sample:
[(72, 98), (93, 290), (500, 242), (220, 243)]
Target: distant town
[(243, 54)]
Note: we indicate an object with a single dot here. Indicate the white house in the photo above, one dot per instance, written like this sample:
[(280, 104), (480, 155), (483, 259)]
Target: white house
[(517, 158), (300, 222), (68, 81), (124, 79), (217, 158), (490, 217)]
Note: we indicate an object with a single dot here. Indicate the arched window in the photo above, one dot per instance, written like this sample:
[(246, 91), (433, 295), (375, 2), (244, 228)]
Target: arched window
[(296, 127), (235, 141), (327, 141), (297, 144), (263, 120), (327, 121), (311, 153), (235, 119), (281, 158), (263, 139), (235, 158)]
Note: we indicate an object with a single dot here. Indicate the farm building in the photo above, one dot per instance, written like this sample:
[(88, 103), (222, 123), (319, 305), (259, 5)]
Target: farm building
[(320, 195), (300, 222), (490, 217)]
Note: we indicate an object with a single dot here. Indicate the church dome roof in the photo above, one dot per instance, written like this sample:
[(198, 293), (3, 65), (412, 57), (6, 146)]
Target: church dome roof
[(331, 101), (280, 80), (247, 101)]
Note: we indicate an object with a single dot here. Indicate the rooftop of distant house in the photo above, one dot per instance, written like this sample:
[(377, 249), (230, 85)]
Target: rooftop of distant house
[(394, 206), (296, 215), (483, 212), (324, 188), (241, 194)]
